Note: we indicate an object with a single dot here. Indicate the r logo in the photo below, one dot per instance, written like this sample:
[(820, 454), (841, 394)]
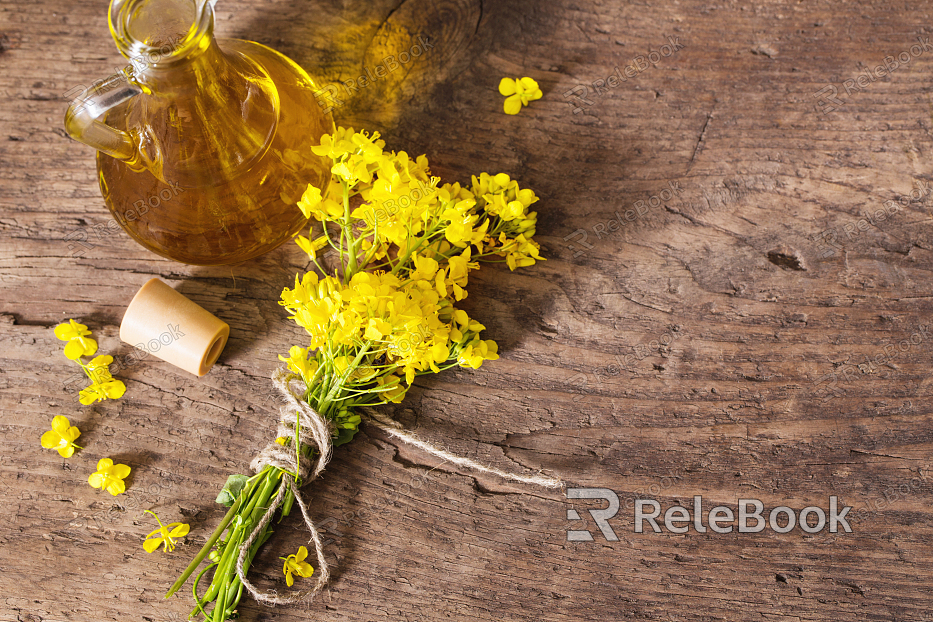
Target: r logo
[(599, 516)]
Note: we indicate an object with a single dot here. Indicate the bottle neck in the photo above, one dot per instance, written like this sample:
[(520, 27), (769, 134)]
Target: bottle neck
[(170, 44), (160, 34), (203, 64), (203, 113)]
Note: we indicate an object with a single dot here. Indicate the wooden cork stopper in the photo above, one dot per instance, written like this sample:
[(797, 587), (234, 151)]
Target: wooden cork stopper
[(163, 322)]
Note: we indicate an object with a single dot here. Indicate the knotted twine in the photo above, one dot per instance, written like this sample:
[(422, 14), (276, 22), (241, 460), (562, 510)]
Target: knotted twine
[(314, 430)]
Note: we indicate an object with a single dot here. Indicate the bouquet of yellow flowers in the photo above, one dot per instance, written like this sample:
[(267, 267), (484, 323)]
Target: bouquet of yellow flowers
[(381, 316)]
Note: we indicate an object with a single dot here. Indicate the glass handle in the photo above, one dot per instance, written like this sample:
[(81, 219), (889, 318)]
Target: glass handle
[(82, 120)]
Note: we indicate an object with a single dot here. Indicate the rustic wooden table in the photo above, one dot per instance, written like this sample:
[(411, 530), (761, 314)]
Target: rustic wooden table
[(735, 304)]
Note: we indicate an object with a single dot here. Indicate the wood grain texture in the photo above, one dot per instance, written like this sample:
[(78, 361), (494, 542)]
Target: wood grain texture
[(743, 338)]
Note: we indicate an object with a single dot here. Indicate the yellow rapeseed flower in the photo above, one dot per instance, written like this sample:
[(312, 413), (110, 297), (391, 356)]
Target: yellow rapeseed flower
[(299, 363), (478, 351), (103, 385), (518, 93), (311, 247), (407, 244), (336, 145), (109, 476), (425, 268), (61, 437), (353, 170), (166, 535), (520, 251), (78, 338), (312, 203), (309, 200), (296, 564)]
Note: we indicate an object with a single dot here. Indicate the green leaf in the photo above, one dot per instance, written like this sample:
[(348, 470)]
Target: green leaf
[(232, 489), (344, 436)]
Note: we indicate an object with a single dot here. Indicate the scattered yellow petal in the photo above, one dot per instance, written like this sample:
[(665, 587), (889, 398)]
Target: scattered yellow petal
[(295, 564), (109, 476), (309, 200), (507, 86), (61, 437), (518, 93), (166, 535), (513, 104)]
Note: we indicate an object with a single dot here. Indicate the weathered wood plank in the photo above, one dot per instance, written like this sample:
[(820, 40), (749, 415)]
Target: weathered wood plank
[(749, 336)]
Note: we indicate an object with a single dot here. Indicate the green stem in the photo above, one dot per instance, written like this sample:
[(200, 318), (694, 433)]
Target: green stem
[(230, 589), (214, 536), (246, 513), (341, 380), (226, 587), (223, 571), (352, 267), (413, 249), (255, 514), (208, 597)]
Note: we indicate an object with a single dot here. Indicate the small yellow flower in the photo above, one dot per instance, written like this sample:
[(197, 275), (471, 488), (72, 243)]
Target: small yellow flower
[(478, 351), (314, 204), (281, 441), (295, 564), (376, 329), (109, 476), (299, 363), (335, 146), (518, 93), (521, 251), (78, 338), (309, 200), (165, 537), (391, 388), (108, 389), (311, 246), (61, 437), (103, 386), (425, 268), (353, 170), (99, 368)]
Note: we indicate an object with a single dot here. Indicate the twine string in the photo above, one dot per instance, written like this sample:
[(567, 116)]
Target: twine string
[(314, 430), (392, 427)]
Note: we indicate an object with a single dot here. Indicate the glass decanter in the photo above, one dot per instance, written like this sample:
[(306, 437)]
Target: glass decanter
[(203, 146)]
